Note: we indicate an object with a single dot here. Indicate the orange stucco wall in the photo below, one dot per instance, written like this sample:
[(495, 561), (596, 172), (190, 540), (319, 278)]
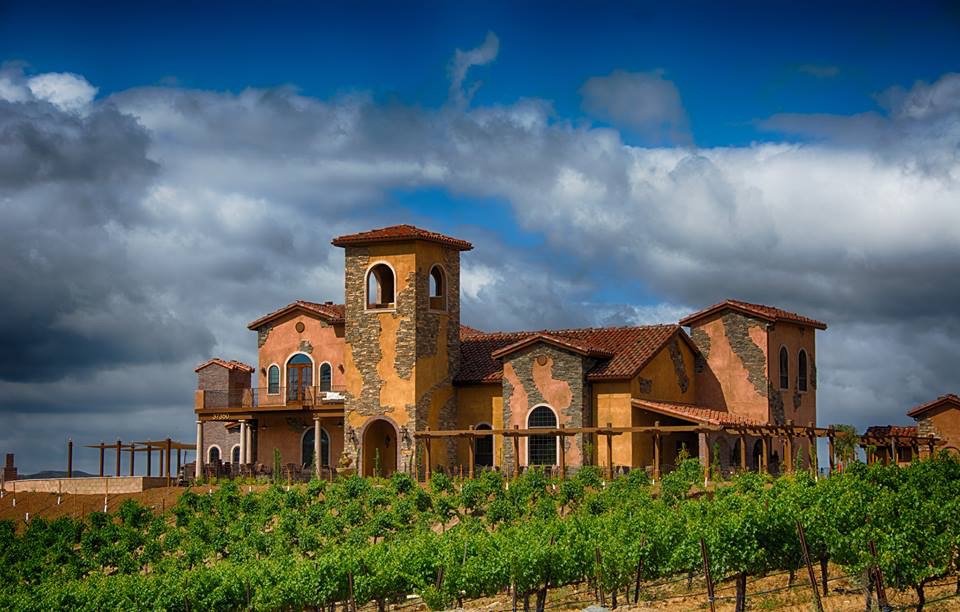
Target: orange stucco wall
[(946, 424), (799, 406), (285, 433), (480, 404), (325, 344), (725, 384)]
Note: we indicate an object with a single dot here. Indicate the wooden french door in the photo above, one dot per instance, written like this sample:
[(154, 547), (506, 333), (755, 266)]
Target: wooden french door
[(299, 379)]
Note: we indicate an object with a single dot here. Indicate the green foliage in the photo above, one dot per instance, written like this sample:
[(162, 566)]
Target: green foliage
[(298, 548)]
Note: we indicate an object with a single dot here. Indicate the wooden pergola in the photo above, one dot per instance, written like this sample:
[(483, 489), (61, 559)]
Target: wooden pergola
[(765, 433), (164, 448)]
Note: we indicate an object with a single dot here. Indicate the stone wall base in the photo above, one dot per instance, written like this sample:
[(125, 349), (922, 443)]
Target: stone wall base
[(86, 486)]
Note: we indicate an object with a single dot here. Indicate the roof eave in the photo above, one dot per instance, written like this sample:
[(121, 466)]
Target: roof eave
[(287, 310)]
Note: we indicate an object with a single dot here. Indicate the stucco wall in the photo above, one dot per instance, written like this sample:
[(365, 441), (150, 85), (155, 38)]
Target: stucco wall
[(798, 406), (399, 363), (943, 422), (543, 374), (736, 376), (480, 404), (280, 340)]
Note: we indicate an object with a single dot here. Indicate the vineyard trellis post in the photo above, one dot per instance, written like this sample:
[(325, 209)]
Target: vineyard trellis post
[(706, 574), (878, 580), (806, 560)]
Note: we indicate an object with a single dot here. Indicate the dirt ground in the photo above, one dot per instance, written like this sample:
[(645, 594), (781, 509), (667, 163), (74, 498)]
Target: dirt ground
[(78, 506)]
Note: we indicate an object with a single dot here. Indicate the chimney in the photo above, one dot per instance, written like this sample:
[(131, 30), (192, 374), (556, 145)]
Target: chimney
[(9, 470)]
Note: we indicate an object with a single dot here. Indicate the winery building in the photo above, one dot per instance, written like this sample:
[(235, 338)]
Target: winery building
[(348, 386)]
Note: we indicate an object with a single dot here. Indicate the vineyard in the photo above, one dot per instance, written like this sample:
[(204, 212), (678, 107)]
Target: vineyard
[(377, 542)]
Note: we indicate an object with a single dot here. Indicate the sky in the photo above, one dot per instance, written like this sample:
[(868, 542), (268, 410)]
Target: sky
[(169, 172)]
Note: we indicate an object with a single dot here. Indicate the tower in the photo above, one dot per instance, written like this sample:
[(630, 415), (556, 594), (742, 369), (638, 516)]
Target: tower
[(402, 343)]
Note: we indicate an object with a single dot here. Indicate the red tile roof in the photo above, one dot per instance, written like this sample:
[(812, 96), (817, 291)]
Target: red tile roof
[(396, 233), (230, 365), (943, 400), (767, 313), (882, 431), (631, 348), (467, 331), (573, 344), (328, 311), (697, 414)]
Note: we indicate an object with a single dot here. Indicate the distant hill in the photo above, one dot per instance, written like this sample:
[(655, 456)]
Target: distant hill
[(53, 474)]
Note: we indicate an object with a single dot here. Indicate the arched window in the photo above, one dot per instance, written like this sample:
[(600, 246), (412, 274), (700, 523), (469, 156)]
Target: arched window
[(784, 368), (299, 378), (380, 287), (213, 454), (326, 374), (802, 371), (438, 289), (273, 379), (483, 448), (306, 447), (542, 450), (235, 453)]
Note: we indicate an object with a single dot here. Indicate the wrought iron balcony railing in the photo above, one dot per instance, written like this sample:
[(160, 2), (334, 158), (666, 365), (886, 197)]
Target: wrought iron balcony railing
[(261, 397)]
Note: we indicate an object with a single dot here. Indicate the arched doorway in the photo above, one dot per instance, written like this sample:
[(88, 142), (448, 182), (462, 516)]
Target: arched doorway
[(483, 448), (379, 448), (542, 450)]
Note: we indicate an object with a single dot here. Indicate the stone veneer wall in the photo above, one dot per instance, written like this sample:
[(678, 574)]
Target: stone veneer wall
[(572, 406), (215, 434)]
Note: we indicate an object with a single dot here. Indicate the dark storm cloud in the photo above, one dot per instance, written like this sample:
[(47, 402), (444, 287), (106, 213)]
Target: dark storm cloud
[(156, 223)]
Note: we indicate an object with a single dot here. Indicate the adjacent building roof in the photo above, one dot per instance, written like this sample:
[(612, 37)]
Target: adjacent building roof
[(396, 233), (576, 345), (883, 431), (230, 365), (767, 313), (328, 311), (697, 414), (950, 399), (629, 349)]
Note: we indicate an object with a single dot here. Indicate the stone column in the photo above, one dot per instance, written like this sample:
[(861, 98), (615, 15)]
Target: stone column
[(199, 461), (243, 442), (249, 458), (316, 446)]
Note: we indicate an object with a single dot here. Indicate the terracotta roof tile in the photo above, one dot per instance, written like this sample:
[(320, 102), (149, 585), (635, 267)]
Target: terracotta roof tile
[(466, 331), (230, 365), (399, 232), (328, 311), (768, 313), (882, 431), (631, 348), (576, 345), (708, 416), (948, 399)]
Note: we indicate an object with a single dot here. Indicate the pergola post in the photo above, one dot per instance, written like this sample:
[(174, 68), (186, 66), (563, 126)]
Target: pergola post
[(930, 446), (516, 451), (317, 460), (610, 451), (812, 453), (103, 449), (893, 450), (133, 451), (743, 451), (69, 458), (169, 455), (198, 471), (788, 448), (427, 444), (704, 441), (562, 439), (470, 458), (179, 461), (149, 460), (160, 454), (764, 450), (656, 452), (830, 450), (119, 448)]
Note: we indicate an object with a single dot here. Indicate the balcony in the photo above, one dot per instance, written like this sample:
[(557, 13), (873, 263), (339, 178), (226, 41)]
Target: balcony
[(266, 398)]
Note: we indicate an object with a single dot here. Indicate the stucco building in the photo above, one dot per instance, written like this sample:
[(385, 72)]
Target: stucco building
[(939, 419), (353, 383)]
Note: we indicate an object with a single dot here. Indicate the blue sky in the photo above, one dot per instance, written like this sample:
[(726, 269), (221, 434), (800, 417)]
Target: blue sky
[(170, 172), (732, 62)]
